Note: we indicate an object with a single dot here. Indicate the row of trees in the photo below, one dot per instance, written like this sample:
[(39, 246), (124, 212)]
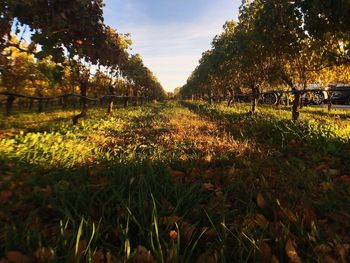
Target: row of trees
[(276, 43), (71, 49)]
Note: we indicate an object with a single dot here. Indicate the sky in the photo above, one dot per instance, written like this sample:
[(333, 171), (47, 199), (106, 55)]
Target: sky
[(170, 35)]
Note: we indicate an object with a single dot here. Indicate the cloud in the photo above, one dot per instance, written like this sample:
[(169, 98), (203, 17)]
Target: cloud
[(171, 49)]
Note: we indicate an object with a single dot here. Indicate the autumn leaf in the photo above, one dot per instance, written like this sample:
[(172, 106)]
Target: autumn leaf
[(291, 252), (99, 256), (207, 158), (44, 254), (16, 257), (187, 230), (260, 220), (173, 234), (209, 234), (5, 195), (342, 251), (260, 201), (208, 186), (143, 256), (289, 214), (309, 216), (177, 174), (274, 259), (344, 179), (265, 253)]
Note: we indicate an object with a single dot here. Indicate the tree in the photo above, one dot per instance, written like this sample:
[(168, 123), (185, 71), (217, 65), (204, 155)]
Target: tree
[(74, 25), (17, 69), (328, 22)]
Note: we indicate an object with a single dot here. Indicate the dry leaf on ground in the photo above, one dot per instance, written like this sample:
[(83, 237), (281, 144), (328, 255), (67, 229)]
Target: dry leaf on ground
[(16, 257), (260, 201), (291, 252), (143, 256), (265, 253)]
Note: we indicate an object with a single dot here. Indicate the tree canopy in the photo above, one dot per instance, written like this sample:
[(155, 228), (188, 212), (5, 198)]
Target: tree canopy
[(275, 44)]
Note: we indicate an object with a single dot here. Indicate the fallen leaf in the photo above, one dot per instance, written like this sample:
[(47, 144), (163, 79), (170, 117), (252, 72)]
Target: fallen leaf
[(143, 256), (291, 252), (208, 186), (274, 259), (344, 179), (16, 257), (265, 253), (207, 158), (5, 195), (44, 254), (323, 249), (289, 214), (260, 201), (173, 234), (177, 174), (309, 216), (110, 258), (342, 251), (99, 256), (261, 220), (209, 234)]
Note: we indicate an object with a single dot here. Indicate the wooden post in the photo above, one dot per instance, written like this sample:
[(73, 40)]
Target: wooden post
[(9, 105)]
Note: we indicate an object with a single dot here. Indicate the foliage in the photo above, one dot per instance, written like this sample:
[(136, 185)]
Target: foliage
[(74, 25), (275, 44)]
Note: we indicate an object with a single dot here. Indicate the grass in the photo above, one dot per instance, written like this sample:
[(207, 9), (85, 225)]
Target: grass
[(175, 183)]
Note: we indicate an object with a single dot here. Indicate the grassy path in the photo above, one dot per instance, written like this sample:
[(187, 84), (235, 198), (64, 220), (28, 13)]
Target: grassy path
[(174, 183)]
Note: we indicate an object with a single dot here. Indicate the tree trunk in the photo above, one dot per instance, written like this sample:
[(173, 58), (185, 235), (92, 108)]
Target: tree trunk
[(254, 100), (9, 105), (141, 101), (126, 101), (229, 102), (329, 102), (83, 102), (295, 112), (110, 100), (40, 103), (211, 98), (301, 104)]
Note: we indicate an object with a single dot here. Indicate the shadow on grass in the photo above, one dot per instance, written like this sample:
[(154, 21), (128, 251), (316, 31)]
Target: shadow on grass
[(116, 205)]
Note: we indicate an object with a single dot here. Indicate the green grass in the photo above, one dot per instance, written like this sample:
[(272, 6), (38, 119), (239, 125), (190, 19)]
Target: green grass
[(234, 188)]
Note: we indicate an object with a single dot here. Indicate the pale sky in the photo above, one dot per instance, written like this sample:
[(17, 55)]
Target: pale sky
[(170, 35)]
